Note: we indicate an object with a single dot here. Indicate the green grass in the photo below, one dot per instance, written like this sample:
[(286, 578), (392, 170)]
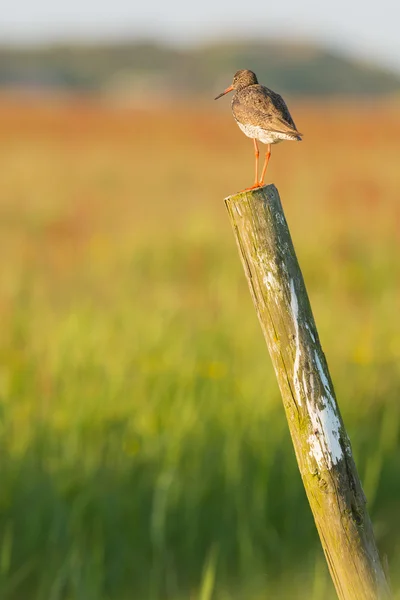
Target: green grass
[(144, 448)]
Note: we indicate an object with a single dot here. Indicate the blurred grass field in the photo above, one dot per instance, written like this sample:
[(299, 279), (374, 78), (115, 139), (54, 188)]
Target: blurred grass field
[(144, 448)]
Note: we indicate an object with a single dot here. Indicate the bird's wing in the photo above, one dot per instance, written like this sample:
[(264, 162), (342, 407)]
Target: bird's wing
[(282, 111), (280, 125), (261, 106)]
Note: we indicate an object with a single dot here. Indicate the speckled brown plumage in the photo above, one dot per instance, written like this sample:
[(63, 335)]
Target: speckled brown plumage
[(258, 105), (261, 114)]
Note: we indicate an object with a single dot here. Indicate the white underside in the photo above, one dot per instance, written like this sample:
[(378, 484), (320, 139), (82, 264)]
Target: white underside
[(266, 137)]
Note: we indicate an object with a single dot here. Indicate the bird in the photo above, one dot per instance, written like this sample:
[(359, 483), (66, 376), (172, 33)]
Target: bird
[(261, 114)]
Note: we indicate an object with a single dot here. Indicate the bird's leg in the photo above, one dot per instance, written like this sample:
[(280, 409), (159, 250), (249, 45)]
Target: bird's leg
[(257, 154), (267, 156), (256, 184)]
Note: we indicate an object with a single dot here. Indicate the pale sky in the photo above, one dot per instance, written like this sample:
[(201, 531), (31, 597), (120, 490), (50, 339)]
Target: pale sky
[(366, 28)]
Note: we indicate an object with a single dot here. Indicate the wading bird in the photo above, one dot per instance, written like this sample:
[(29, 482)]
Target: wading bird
[(261, 114)]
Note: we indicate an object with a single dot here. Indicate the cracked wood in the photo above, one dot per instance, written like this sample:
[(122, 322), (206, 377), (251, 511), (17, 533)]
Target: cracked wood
[(321, 444)]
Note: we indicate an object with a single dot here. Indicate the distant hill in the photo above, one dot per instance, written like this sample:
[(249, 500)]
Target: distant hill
[(141, 68)]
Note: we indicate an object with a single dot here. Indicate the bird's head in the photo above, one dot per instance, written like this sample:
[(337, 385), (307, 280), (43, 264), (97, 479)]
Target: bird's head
[(241, 79)]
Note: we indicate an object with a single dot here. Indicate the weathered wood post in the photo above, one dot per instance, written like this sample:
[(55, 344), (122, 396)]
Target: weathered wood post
[(320, 440)]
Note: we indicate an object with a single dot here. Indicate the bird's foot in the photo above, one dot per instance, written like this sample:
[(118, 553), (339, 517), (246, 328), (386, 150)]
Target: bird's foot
[(256, 185)]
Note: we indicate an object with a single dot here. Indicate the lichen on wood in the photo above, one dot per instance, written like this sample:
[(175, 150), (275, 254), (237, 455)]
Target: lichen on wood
[(321, 444)]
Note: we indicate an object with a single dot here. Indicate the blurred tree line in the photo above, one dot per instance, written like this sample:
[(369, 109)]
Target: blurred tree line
[(145, 67)]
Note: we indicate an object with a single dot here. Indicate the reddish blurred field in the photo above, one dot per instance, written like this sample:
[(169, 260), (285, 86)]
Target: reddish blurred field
[(78, 166)]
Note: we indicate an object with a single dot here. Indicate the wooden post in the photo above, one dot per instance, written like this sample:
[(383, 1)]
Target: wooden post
[(320, 440)]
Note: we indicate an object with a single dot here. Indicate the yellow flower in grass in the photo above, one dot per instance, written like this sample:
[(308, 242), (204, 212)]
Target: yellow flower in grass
[(363, 353), (216, 370)]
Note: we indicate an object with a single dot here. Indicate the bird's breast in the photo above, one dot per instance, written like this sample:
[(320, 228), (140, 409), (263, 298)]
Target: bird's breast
[(263, 135)]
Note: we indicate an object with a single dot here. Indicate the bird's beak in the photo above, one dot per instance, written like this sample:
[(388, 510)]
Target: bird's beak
[(229, 89)]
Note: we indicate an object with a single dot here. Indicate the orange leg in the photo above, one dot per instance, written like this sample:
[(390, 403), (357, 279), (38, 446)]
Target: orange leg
[(256, 154), (267, 157)]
